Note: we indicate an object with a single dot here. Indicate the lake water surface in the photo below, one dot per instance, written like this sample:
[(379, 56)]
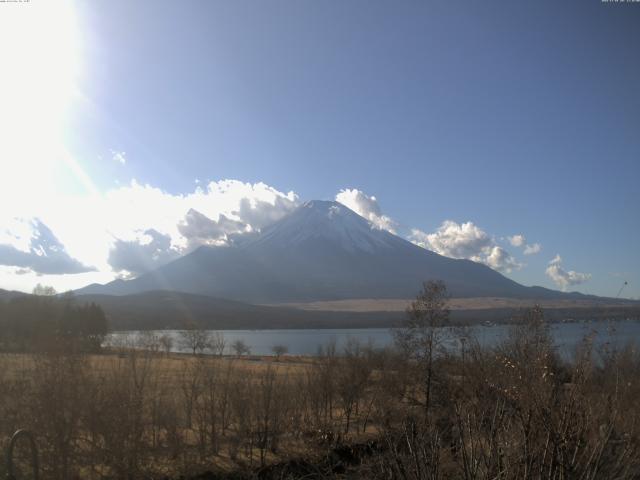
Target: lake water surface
[(307, 342)]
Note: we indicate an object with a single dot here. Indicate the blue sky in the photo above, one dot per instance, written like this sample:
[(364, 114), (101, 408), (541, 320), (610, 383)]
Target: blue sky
[(520, 117)]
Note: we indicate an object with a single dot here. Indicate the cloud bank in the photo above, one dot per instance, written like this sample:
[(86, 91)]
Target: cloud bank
[(162, 226), (563, 278), (198, 229), (135, 228), (151, 250), (366, 206), (31, 246), (466, 241)]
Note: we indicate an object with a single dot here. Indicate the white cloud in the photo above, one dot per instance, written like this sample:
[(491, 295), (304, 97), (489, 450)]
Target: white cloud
[(468, 241), (521, 241), (517, 240), (187, 221), (367, 207), (563, 278), (199, 229), (120, 157), (464, 240), (532, 249), (420, 238), (32, 247), (259, 213), (103, 229), (501, 260), (453, 240), (149, 251)]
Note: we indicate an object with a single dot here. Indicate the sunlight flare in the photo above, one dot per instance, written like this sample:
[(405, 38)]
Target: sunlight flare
[(39, 47)]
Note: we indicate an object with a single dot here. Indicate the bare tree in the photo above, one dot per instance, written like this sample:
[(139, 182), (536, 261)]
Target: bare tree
[(218, 343), (147, 340), (166, 342), (421, 333), (352, 378), (240, 347), (279, 350), (195, 339), (44, 290)]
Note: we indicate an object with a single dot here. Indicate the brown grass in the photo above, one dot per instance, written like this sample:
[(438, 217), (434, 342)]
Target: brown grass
[(509, 412), (476, 303)]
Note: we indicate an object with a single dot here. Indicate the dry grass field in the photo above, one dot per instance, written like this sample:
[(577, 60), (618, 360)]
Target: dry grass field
[(512, 411), (475, 303), (105, 415)]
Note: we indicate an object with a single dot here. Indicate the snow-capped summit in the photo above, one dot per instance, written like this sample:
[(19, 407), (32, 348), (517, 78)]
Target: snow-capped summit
[(326, 221)]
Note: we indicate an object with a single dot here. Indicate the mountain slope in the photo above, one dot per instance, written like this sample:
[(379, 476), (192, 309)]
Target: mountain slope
[(321, 251), (6, 295)]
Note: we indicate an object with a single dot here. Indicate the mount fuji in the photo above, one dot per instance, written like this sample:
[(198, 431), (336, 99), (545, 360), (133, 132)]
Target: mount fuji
[(320, 251)]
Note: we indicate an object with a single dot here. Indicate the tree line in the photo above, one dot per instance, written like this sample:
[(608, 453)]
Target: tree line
[(41, 322)]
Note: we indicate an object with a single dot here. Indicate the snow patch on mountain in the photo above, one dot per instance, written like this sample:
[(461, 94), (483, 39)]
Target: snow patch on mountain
[(328, 221)]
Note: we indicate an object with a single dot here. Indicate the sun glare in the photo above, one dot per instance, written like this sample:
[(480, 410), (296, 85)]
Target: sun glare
[(40, 62)]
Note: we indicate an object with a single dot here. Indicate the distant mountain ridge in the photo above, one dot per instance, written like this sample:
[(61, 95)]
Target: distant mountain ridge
[(156, 310), (321, 251), (6, 295)]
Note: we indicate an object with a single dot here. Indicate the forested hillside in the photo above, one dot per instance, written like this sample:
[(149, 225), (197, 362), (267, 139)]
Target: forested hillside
[(34, 323)]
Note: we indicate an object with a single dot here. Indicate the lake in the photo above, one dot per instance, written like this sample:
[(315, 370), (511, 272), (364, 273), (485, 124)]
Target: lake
[(306, 342)]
